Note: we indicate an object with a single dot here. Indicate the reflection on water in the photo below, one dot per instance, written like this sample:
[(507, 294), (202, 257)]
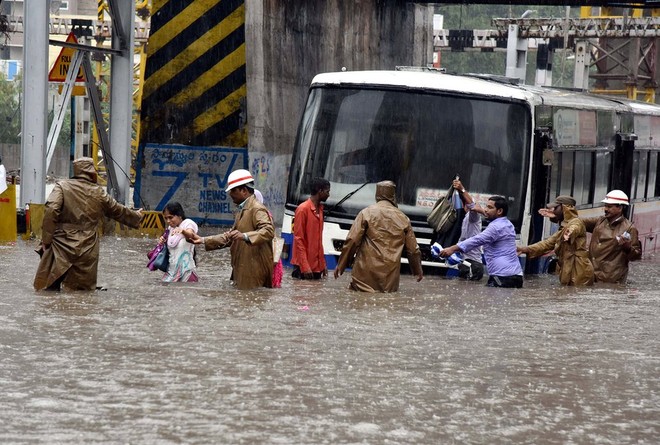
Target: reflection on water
[(441, 361)]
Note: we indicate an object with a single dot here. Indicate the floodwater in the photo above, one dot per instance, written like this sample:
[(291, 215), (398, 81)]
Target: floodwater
[(439, 362)]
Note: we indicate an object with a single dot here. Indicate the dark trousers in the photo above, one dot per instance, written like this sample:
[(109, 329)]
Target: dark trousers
[(298, 274), (511, 281), (57, 284), (473, 273)]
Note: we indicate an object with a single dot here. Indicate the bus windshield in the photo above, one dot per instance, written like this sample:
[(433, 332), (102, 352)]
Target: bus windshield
[(420, 139)]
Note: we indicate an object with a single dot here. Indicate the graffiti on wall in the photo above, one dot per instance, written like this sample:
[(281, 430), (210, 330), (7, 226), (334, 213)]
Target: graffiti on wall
[(270, 176), (260, 168), (196, 177)]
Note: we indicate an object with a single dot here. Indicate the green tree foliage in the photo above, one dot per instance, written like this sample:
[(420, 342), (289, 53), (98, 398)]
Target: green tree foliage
[(10, 112), (466, 16)]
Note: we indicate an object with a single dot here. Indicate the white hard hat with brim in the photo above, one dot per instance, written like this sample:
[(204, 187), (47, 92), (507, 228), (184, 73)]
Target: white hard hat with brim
[(238, 177), (616, 197)]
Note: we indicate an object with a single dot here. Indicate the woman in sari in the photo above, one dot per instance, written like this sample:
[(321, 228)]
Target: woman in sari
[(182, 253)]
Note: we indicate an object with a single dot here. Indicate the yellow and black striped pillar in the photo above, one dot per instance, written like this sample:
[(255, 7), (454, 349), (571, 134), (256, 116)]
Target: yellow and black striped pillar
[(152, 224), (100, 9), (195, 83)]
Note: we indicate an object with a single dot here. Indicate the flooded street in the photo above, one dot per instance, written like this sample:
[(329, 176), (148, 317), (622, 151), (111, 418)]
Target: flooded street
[(440, 362)]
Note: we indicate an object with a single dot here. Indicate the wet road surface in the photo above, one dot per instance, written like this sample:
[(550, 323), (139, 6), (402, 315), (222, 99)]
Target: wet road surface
[(440, 362)]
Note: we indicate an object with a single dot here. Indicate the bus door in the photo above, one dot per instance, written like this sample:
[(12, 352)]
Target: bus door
[(541, 191), (622, 163)]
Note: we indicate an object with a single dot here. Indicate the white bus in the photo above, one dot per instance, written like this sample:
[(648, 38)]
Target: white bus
[(420, 128)]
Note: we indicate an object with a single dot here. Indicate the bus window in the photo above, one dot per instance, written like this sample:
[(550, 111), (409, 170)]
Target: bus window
[(418, 140), (602, 179), (657, 180), (582, 177), (652, 178), (348, 148), (640, 164), (606, 132), (554, 177), (566, 176)]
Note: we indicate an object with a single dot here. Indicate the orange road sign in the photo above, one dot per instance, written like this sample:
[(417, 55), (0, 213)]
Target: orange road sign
[(61, 66), (78, 90)]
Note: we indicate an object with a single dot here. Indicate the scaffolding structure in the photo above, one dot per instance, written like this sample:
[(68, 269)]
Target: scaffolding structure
[(618, 53)]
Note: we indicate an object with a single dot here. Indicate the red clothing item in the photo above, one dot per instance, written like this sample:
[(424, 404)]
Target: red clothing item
[(308, 238)]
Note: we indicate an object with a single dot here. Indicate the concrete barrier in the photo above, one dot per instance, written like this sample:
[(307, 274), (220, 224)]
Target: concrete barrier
[(152, 225), (34, 218), (8, 214)]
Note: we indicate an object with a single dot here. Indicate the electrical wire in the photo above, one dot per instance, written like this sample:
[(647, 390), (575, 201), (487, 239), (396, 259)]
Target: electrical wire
[(106, 154)]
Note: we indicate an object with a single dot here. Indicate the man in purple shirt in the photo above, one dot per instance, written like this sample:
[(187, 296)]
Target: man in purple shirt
[(499, 245)]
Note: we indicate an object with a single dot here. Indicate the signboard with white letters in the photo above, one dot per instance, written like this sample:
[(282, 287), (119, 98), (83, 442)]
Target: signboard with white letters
[(574, 127), (196, 177)]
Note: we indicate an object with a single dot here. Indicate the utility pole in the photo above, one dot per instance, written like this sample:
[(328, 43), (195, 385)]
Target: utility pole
[(35, 98), (121, 94)]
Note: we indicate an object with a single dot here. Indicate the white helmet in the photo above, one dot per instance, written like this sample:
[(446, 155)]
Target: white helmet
[(616, 197), (238, 177)]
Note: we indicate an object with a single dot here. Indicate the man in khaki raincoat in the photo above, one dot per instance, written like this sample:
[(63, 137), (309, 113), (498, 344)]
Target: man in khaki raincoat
[(375, 244), (614, 240), (569, 244), (251, 237), (70, 238)]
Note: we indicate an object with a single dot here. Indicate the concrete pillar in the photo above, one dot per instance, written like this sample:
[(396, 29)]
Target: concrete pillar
[(516, 55), (423, 35), (34, 126), (581, 75), (82, 127), (121, 96), (544, 65)]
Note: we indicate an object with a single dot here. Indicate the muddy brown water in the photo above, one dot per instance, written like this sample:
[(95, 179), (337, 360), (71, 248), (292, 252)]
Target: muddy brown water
[(440, 362)]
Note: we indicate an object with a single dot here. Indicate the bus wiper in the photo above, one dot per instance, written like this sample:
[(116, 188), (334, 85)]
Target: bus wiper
[(342, 200)]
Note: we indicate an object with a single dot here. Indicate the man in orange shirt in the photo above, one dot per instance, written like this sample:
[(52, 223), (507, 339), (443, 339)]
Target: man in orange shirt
[(308, 257)]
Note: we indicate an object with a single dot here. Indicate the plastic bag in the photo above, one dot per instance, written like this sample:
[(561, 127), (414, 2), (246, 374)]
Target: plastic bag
[(278, 246), (443, 216)]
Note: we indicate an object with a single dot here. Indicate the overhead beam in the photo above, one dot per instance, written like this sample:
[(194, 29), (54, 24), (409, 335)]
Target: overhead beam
[(97, 28), (81, 47), (544, 28), (592, 27)]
